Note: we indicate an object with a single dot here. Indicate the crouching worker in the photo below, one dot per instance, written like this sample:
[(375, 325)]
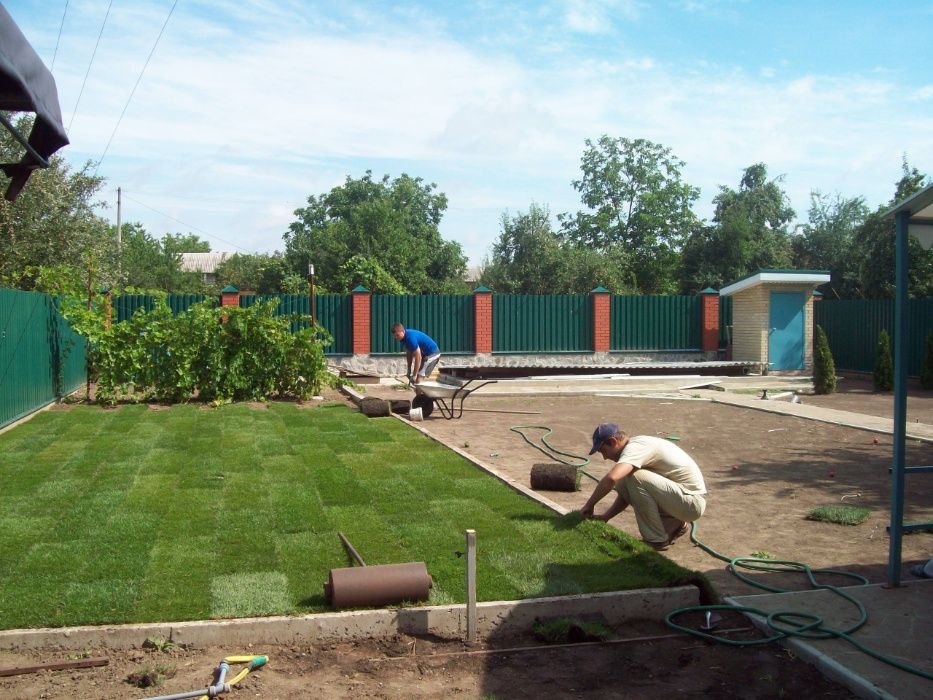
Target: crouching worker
[(659, 480)]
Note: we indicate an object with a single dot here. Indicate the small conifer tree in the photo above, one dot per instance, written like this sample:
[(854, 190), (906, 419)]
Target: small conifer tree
[(926, 371), (824, 369), (884, 368)]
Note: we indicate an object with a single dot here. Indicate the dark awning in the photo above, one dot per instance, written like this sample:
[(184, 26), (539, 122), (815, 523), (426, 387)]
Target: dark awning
[(26, 85)]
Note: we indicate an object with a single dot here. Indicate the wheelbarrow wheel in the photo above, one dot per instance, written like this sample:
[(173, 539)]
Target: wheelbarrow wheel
[(425, 403)]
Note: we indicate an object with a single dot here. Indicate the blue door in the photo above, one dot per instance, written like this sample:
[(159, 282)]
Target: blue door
[(785, 335)]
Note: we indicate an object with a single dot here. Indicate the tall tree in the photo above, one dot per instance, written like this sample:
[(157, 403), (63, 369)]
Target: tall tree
[(392, 223), (826, 241), (262, 273), (52, 222), (749, 232), (636, 205), (149, 263)]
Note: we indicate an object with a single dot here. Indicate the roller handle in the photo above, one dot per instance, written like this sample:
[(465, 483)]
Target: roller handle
[(353, 552)]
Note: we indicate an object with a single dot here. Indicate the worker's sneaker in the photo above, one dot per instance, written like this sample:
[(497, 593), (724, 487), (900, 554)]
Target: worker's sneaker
[(658, 546)]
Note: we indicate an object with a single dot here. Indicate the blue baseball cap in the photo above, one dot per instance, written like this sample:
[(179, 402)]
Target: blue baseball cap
[(603, 432)]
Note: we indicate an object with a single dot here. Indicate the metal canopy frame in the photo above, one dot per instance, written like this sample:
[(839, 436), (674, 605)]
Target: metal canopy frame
[(26, 85), (913, 216)]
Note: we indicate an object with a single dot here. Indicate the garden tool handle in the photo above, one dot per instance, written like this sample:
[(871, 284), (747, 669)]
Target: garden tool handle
[(353, 552)]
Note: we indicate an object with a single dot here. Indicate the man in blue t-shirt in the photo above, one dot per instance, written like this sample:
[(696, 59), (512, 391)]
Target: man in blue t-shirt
[(421, 352)]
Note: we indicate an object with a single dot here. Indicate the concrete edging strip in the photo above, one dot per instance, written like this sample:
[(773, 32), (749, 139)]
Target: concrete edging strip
[(449, 622)]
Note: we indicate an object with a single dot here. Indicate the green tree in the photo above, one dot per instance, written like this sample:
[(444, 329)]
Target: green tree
[(393, 223), (52, 222), (824, 368), (637, 205), (874, 248), (750, 232), (883, 375), (827, 241), (262, 273), (154, 264), (926, 371), (367, 272)]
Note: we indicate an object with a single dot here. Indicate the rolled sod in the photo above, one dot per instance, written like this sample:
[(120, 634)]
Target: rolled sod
[(373, 407), (554, 476), (400, 405)]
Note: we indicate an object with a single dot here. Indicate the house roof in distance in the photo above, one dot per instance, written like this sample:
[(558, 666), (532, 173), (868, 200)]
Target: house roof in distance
[(203, 262)]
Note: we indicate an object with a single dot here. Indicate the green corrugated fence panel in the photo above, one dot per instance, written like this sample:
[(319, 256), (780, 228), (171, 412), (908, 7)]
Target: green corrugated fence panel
[(448, 318), (725, 320), (542, 323), (127, 304), (852, 327), (41, 357), (655, 323), (332, 311)]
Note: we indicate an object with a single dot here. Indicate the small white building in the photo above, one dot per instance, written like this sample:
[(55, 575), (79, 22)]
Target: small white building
[(205, 263)]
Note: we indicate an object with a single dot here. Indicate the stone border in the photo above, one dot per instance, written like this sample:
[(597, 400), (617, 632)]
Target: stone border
[(448, 622)]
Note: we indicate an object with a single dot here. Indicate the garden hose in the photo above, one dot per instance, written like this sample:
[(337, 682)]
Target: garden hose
[(550, 451), (786, 623)]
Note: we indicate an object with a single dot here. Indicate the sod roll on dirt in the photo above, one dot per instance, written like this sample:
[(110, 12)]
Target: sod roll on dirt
[(554, 476), (373, 407)]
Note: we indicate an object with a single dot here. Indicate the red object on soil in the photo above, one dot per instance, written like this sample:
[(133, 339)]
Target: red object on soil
[(874, 441), (735, 466), (832, 474)]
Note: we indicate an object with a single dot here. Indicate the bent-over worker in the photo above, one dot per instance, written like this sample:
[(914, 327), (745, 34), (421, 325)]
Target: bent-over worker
[(421, 352), (661, 482)]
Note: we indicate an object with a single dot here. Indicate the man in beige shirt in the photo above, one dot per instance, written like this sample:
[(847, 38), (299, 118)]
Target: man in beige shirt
[(659, 480)]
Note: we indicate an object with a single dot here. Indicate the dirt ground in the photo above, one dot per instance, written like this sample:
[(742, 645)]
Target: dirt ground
[(764, 473)]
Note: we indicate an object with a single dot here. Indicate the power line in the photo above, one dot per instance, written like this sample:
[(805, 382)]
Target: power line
[(90, 63), (58, 40), (193, 228), (133, 91)]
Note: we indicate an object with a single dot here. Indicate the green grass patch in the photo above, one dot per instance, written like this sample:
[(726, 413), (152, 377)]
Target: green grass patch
[(133, 515), (840, 514)]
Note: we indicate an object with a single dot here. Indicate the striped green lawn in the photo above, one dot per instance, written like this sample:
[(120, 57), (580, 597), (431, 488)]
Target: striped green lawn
[(135, 515)]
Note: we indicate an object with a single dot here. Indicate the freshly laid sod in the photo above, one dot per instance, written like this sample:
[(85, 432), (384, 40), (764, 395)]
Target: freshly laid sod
[(140, 515)]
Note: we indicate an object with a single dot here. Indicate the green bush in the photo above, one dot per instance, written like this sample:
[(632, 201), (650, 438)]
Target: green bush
[(220, 354), (883, 375), (926, 371), (824, 369)]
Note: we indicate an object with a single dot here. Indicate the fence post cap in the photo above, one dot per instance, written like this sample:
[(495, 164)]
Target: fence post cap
[(360, 289), (599, 290), (708, 290), (229, 289), (482, 290)]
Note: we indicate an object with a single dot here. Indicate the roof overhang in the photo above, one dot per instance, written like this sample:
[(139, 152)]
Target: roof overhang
[(920, 210), (810, 277), (26, 85)]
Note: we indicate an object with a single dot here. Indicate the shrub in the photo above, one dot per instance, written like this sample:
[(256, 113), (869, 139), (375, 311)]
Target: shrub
[(883, 375), (926, 371), (824, 369)]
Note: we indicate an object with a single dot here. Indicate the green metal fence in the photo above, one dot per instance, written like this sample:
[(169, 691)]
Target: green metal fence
[(853, 325), (725, 321), (542, 323), (448, 318), (41, 357), (655, 323), (332, 311)]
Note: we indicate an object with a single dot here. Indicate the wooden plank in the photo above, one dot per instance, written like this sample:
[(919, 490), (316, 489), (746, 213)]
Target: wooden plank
[(56, 666)]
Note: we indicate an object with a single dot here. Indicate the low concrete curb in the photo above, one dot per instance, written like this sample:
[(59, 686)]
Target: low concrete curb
[(449, 622)]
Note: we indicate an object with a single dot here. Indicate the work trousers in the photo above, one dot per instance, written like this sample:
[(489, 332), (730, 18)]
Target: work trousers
[(660, 505)]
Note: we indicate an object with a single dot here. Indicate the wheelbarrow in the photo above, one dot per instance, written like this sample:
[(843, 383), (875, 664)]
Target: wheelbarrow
[(447, 394)]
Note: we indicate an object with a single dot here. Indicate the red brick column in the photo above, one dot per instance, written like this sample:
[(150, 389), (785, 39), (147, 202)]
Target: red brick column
[(229, 296), (362, 341), (710, 320), (482, 320), (601, 320)]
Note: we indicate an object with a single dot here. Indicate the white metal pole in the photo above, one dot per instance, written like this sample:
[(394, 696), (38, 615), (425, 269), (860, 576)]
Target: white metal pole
[(471, 585)]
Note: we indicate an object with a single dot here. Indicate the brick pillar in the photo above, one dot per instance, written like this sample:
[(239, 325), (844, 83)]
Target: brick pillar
[(710, 320), (601, 321), (362, 334), (482, 320), (229, 296)]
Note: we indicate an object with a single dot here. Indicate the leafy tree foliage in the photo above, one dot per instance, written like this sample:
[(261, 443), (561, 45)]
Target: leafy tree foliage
[(261, 273), (637, 207), (52, 222), (749, 232), (393, 223), (530, 258), (827, 241), (883, 375), (155, 264), (824, 368)]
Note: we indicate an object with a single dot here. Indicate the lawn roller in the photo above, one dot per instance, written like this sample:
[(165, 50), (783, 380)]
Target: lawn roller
[(383, 584)]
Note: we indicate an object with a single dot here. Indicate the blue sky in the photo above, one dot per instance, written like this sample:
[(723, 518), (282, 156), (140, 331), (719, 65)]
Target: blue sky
[(247, 107)]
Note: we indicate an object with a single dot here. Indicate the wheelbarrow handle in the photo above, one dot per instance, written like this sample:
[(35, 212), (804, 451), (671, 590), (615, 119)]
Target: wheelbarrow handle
[(353, 552)]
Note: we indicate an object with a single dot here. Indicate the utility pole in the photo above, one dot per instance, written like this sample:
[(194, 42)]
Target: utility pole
[(119, 237)]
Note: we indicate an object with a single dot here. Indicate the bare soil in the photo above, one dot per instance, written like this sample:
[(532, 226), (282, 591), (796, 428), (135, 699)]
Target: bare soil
[(764, 473)]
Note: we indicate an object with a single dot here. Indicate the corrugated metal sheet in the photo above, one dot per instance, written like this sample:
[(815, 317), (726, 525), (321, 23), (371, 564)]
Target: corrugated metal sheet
[(853, 326), (725, 321), (41, 357), (126, 305), (448, 318), (655, 323), (542, 323)]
